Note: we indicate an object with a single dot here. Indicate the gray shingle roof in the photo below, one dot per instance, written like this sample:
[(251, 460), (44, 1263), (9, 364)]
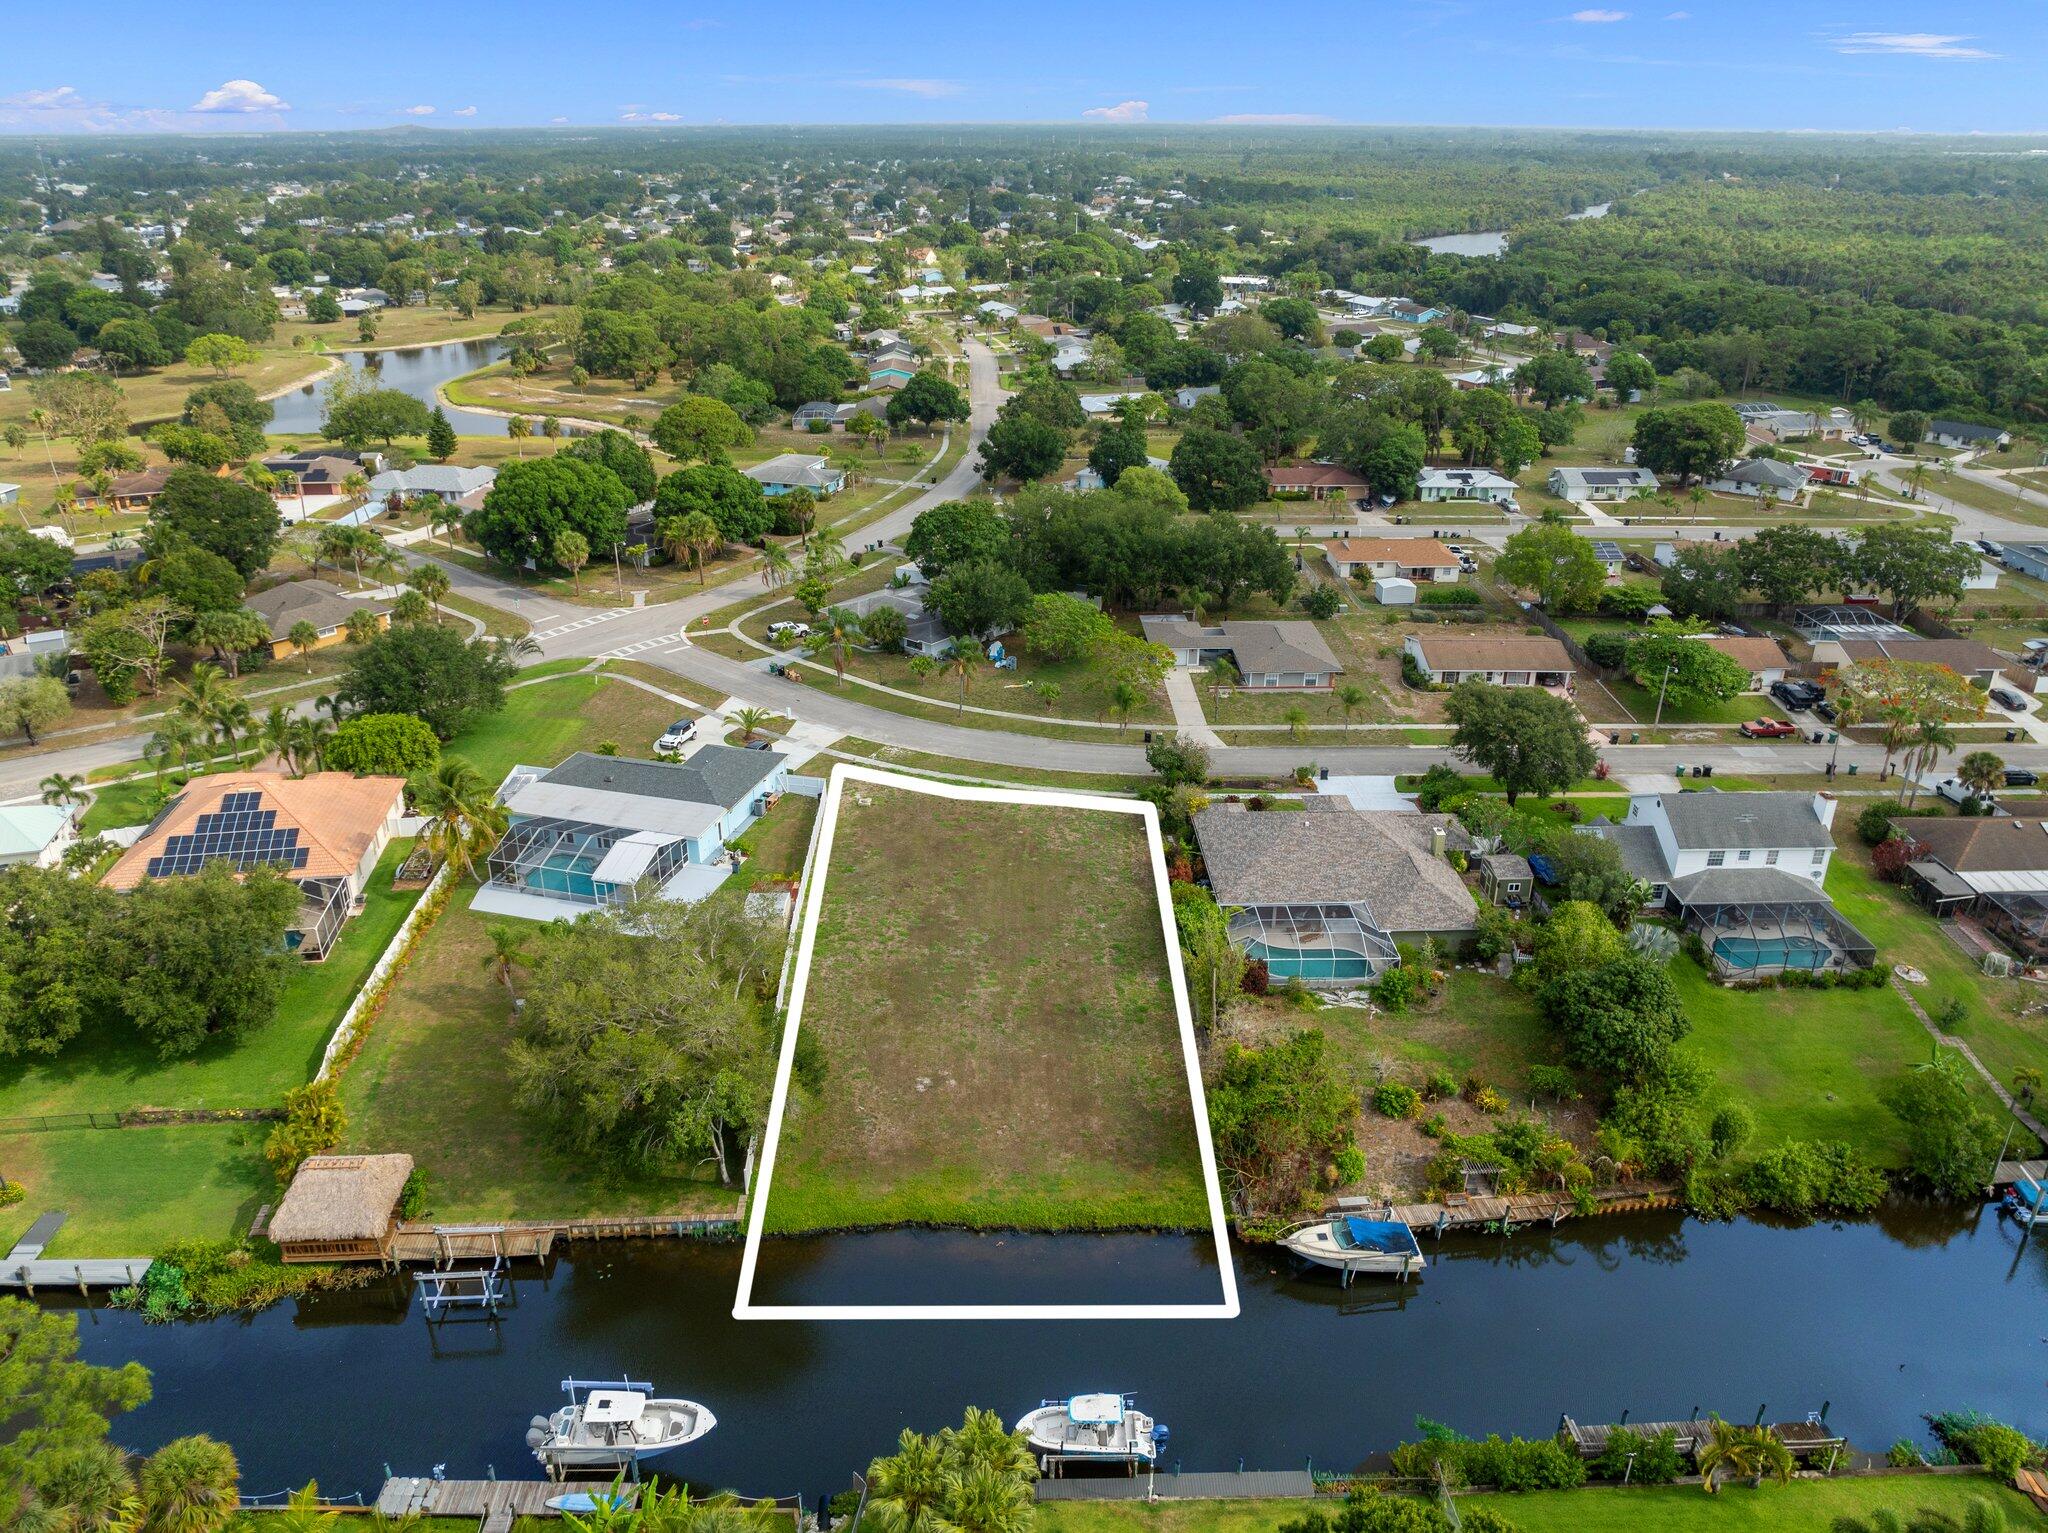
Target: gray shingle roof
[(1748, 886), (1375, 858), (1768, 472), (1641, 855), (1703, 821), (715, 774), (1258, 648)]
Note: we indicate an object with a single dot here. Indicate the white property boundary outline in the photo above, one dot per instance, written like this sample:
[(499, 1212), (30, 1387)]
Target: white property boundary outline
[(814, 899)]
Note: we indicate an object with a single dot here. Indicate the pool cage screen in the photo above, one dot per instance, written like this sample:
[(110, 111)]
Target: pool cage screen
[(560, 859), (1326, 944), (1756, 937), (2020, 918)]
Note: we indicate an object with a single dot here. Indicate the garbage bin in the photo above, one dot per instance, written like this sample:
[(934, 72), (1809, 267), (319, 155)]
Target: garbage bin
[(1852, 769), (2011, 735)]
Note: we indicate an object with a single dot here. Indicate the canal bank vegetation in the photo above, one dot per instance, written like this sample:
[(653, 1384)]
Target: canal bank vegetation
[(993, 1025)]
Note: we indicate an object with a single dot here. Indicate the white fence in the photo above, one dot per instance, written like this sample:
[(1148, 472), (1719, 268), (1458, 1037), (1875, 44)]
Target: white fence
[(374, 982)]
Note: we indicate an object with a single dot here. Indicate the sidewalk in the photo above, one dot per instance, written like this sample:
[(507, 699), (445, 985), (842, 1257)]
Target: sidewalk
[(1187, 710)]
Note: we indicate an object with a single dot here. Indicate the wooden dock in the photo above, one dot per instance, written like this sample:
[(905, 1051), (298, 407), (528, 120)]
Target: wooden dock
[(1475, 1211), (444, 1243), (1805, 1439), (26, 1267), (494, 1503), (2012, 1171)]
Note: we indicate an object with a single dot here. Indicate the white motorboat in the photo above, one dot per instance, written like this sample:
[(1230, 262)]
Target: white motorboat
[(1108, 1428), (613, 1424), (1353, 1245)]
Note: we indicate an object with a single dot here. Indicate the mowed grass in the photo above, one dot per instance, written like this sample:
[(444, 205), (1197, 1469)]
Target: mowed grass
[(431, 1080), (1805, 1506), (130, 1191), (990, 994), (543, 723), (113, 1066)]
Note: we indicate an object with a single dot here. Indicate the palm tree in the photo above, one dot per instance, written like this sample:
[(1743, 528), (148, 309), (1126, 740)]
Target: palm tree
[(984, 1440), (363, 626), (60, 789), (1296, 720), (1981, 772), (190, 1485), (302, 636), (1930, 738), (465, 817), (776, 568), (696, 534), (836, 628), (519, 428), (1351, 698), (988, 1501), (1221, 674), (909, 1490), (355, 485), (1123, 700), (202, 697), (1752, 1451), (2026, 1082), (277, 737), (965, 656), (826, 550), (751, 722), (432, 582), (508, 950), (303, 1512)]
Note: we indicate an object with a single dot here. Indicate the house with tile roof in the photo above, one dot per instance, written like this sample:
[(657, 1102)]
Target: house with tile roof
[(1422, 560)]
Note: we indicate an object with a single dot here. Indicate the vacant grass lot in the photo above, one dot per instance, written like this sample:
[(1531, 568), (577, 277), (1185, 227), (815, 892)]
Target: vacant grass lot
[(1805, 1506), (543, 723), (118, 1068), (431, 1081), (989, 991), (129, 1191)]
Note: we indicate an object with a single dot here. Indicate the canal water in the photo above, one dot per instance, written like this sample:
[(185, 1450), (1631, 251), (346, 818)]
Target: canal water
[(1656, 1314), (1495, 241), (415, 370)]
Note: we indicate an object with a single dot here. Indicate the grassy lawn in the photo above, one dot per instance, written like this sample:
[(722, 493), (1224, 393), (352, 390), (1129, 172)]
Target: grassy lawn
[(1796, 1508), (1478, 1025), (542, 724), (132, 802), (1642, 702), (130, 1191), (1904, 933), (989, 992), (120, 1069), (986, 771), (431, 1081), (775, 845), (1808, 1063)]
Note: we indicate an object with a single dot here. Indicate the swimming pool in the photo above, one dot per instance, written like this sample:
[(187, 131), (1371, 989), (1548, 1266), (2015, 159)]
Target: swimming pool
[(1309, 963), (1772, 952)]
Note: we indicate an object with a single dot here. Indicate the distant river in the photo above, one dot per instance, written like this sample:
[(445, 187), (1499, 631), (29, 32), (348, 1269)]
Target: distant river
[(415, 370)]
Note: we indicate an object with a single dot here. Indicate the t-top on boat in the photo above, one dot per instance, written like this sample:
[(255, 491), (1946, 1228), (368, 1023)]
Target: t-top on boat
[(612, 1425), (1352, 1245), (2026, 1200), (1095, 1428)]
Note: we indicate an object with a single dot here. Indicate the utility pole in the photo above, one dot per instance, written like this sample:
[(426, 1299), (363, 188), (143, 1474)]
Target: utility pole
[(1661, 685)]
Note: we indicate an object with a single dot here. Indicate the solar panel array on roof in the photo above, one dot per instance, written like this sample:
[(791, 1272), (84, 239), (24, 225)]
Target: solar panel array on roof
[(241, 831), (1605, 476)]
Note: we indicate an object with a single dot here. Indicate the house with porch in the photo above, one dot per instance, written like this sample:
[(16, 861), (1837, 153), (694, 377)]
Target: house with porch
[(1584, 484), (1481, 484), (1317, 481), (1289, 654), (1992, 869), (598, 830), (1422, 560), (1525, 660)]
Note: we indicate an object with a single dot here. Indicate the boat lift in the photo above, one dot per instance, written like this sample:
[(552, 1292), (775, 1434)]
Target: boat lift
[(465, 1293)]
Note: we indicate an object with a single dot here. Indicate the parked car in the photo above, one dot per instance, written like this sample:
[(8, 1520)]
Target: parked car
[(1826, 710), (1990, 548), (2021, 777), (1767, 729), (1797, 695), (677, 735), (1952, 789), (789, 631), (2005, 697)]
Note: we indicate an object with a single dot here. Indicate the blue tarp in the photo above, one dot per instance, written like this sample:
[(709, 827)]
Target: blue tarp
[(1376, 1235), (1542, 867)]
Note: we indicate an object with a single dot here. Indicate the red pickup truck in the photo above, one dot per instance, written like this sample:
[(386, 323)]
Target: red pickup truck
[(1767, 729)]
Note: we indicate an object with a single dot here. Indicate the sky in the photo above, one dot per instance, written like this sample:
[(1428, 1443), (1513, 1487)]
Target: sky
[(241, 66)]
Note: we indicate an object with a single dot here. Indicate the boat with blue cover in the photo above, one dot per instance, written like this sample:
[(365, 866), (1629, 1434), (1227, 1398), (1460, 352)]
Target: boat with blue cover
[(1352, 1244), (2026, 1200), (1105, 1428)]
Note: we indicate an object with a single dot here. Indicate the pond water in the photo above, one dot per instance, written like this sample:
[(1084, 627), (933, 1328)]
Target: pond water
[(1495, 242), (1920, 1310), (415, 370)]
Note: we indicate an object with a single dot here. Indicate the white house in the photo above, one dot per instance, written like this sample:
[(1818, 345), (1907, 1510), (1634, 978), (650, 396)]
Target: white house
[(1421, 560), (1184, 398), (447, 481), (1695, 832), (35, 833), (1761, 477), (1581, 484), (1465, 484), (1529, 660), (1947, 433)]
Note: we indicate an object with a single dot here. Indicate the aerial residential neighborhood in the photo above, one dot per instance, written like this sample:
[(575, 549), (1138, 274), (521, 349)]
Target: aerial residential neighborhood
[(1349, 816)]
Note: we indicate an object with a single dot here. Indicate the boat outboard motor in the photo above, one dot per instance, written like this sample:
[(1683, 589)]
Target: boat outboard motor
[(538, 1432), (1159, 1436)]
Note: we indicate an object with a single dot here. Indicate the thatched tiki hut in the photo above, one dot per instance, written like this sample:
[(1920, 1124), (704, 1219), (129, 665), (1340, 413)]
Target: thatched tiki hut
[(341, 1208)]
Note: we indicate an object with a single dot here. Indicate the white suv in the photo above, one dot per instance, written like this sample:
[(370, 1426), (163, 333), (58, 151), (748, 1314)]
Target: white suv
[(676, 735)]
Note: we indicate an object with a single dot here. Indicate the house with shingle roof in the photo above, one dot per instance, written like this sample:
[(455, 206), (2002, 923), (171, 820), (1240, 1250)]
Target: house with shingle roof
[(1323, 894), (1524, 660), (797, 471), (1765, 477), (1317, 481), (1267, 654), (1993, 867), (325, 606)]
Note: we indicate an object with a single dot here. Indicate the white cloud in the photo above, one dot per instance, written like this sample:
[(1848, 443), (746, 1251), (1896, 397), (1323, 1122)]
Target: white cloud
[(1679, 16), (1596, 18), (929, 89), (415, 111), (1924, 45), (557, 119), (1274, 119), (58, 98), (1123, 111), (464, 111), (637, 114), (240, 96)]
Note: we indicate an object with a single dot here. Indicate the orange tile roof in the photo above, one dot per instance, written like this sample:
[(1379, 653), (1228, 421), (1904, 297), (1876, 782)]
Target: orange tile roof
[(1414, 553), (337, 817)]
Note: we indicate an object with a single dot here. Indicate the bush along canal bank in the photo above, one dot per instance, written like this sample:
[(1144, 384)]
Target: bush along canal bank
[(1702, 1471)]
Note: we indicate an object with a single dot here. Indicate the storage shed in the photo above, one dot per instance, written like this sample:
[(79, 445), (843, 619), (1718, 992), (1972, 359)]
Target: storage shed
[(1394, 591), (341, 1208)]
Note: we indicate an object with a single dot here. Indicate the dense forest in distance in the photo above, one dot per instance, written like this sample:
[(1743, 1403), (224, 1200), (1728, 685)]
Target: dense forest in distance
[(1913, 270)]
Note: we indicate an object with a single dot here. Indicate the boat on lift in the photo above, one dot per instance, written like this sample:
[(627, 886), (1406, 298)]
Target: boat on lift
[(2026, 1201), (1351, 1245), (1105, 1428), (612, 1424)]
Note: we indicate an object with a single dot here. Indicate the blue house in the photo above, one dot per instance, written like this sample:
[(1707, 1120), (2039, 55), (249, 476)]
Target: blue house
[(798, 471), (597, 830)]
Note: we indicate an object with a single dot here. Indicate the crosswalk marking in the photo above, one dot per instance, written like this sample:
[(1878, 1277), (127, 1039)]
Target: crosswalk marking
[(645, 645), (582, 622)]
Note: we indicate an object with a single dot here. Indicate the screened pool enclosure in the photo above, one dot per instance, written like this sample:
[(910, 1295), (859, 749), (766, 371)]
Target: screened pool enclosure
[(1317, 944), (582, 863), (1757, 937)]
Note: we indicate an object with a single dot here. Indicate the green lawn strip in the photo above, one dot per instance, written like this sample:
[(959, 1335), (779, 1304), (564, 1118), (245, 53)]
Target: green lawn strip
[(948, 766), (1479, 1024), (566, 666), (668, 681), (775, 845), (819, 676), (116, 1067), (999, 1040), (498, 623), (130, 802), (1809, 1064), (130, 1191), (1805, 1506), (1641, 701), (431, 1080), (540, 725), (1906, 934)]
